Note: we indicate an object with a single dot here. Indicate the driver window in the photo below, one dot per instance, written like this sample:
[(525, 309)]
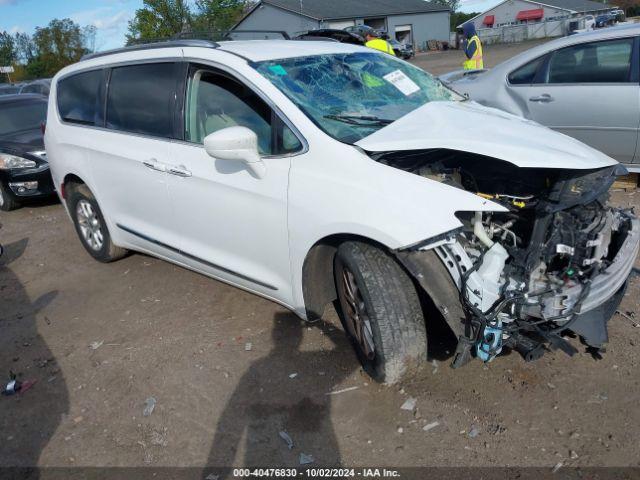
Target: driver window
[(215, 102)]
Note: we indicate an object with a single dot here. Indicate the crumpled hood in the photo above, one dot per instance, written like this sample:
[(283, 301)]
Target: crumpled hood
[(470, 127)]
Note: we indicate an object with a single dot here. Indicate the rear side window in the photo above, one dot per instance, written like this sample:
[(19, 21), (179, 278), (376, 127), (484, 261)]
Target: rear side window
[(141, 99), (526, 74), (79, 98), (597, 62)]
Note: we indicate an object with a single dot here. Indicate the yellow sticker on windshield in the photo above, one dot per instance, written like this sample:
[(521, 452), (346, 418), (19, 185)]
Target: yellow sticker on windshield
[(372, 81)]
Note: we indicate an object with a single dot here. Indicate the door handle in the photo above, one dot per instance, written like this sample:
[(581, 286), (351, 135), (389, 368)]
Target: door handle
[(179, 171), (153, 164), (544, 98)]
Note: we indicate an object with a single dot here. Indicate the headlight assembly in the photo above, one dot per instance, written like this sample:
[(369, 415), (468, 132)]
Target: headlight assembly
[(12, 161)]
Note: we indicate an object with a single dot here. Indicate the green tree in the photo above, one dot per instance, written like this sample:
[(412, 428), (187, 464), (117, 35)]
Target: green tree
[(219, 15), (7, 52), (452, 4), (458, 18), (7, 49), (630, 7), (159, 19), (25, 48), (57, 45), (167, 18), (89, 33)]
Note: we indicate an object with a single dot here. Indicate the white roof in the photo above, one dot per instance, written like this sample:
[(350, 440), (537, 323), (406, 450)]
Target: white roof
[(261, 50)]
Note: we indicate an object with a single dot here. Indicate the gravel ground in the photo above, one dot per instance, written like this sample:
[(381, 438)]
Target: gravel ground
[(438, 63), (229, 371)]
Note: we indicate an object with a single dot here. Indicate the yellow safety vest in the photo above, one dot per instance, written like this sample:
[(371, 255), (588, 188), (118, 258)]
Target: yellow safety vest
[(475, 62), (382, 45)]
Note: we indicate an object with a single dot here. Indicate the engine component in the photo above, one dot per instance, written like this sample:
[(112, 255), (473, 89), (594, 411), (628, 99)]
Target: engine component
[(490, 344), (536, 270)]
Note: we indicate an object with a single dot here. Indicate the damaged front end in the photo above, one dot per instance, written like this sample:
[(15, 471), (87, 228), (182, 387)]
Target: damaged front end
[(558, 260)]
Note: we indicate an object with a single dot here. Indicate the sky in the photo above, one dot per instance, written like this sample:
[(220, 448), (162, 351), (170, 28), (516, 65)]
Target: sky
[(110, 17)]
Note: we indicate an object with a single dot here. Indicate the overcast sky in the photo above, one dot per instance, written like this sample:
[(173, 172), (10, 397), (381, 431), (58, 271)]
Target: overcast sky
[(109, 16)]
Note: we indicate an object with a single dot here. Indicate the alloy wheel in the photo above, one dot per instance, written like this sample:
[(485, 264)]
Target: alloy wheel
[(89, 224), (355, 313)]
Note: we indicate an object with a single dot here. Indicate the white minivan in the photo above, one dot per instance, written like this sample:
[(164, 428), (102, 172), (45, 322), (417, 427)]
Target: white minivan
[(308, 172)]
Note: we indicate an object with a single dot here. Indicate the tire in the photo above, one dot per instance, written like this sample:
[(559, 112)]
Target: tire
[(388, 298), (7, 200), (91, 226)]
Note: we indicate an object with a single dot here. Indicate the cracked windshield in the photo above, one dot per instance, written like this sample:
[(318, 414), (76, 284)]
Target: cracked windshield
[(351, 96)]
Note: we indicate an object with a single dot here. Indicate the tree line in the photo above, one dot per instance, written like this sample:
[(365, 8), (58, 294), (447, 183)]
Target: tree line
[(167, 18), (47, 50), (63, 42)]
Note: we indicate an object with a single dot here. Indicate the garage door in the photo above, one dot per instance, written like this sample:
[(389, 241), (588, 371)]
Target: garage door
[(404, 34), (342, 25)]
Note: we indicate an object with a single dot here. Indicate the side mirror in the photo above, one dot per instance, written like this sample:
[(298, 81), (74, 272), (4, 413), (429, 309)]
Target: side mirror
[(238, 144)]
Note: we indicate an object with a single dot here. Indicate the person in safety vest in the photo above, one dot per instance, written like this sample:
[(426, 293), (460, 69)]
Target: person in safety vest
[(374, 41), (472, 48)]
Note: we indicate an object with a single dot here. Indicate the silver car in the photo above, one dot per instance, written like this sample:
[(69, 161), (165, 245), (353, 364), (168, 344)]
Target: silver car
[(586, 86)]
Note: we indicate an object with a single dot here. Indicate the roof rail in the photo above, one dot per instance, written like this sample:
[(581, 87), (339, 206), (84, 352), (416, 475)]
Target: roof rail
[(206, 39), (152, 44), (228, 35)]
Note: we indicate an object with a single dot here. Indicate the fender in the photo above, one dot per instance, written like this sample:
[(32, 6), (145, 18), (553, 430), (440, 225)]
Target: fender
[(373, 201)]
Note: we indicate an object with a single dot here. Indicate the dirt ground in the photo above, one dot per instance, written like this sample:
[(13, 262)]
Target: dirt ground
[(100, 340), (438, 63)]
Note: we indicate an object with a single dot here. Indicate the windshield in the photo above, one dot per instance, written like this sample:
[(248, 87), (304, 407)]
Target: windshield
[(20, 117), (350, 96)]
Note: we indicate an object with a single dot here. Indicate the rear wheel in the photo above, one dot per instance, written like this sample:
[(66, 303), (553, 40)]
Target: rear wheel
[(91, 226), (7, 201), (381, 311)]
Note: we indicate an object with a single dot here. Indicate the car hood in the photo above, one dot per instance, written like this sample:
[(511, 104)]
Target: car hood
[(471, 127), (25, 140), (459, 75)]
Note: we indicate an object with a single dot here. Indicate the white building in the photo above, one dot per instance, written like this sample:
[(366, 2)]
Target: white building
[(513, 13)]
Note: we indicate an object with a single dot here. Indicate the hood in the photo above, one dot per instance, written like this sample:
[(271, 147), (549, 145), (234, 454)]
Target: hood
[(26, 140), (470, 127)]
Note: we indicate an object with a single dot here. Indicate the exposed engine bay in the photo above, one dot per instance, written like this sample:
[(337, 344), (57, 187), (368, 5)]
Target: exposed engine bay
[(556, 261)]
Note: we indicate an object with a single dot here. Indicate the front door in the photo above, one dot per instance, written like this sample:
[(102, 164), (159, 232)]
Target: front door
[(233, 223), (590, 92)]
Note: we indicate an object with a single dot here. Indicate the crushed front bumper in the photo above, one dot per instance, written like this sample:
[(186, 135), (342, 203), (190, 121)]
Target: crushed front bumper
[(607, 284), (438, 270), (607, 291)]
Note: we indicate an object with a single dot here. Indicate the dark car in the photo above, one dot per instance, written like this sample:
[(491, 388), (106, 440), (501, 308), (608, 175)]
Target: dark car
[(329, 34), (9, 89), (41, 87), (402, 50), (24, 170), (605, 20)]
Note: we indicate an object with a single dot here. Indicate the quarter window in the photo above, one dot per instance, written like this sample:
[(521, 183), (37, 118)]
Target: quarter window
[(141, 99), (79, 98), (598, 62)]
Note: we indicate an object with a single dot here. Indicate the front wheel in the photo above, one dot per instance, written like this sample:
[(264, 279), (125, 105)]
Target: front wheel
[(91, 226), (7, 202), (380, 310)]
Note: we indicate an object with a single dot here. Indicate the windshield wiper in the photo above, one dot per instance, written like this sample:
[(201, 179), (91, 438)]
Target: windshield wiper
[(361, 120)]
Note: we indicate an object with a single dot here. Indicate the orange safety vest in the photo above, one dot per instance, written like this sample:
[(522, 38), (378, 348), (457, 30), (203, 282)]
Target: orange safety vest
[(475, 62)]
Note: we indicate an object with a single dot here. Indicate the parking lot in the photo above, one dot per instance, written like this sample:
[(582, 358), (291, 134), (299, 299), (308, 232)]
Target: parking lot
[(226, 372)]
